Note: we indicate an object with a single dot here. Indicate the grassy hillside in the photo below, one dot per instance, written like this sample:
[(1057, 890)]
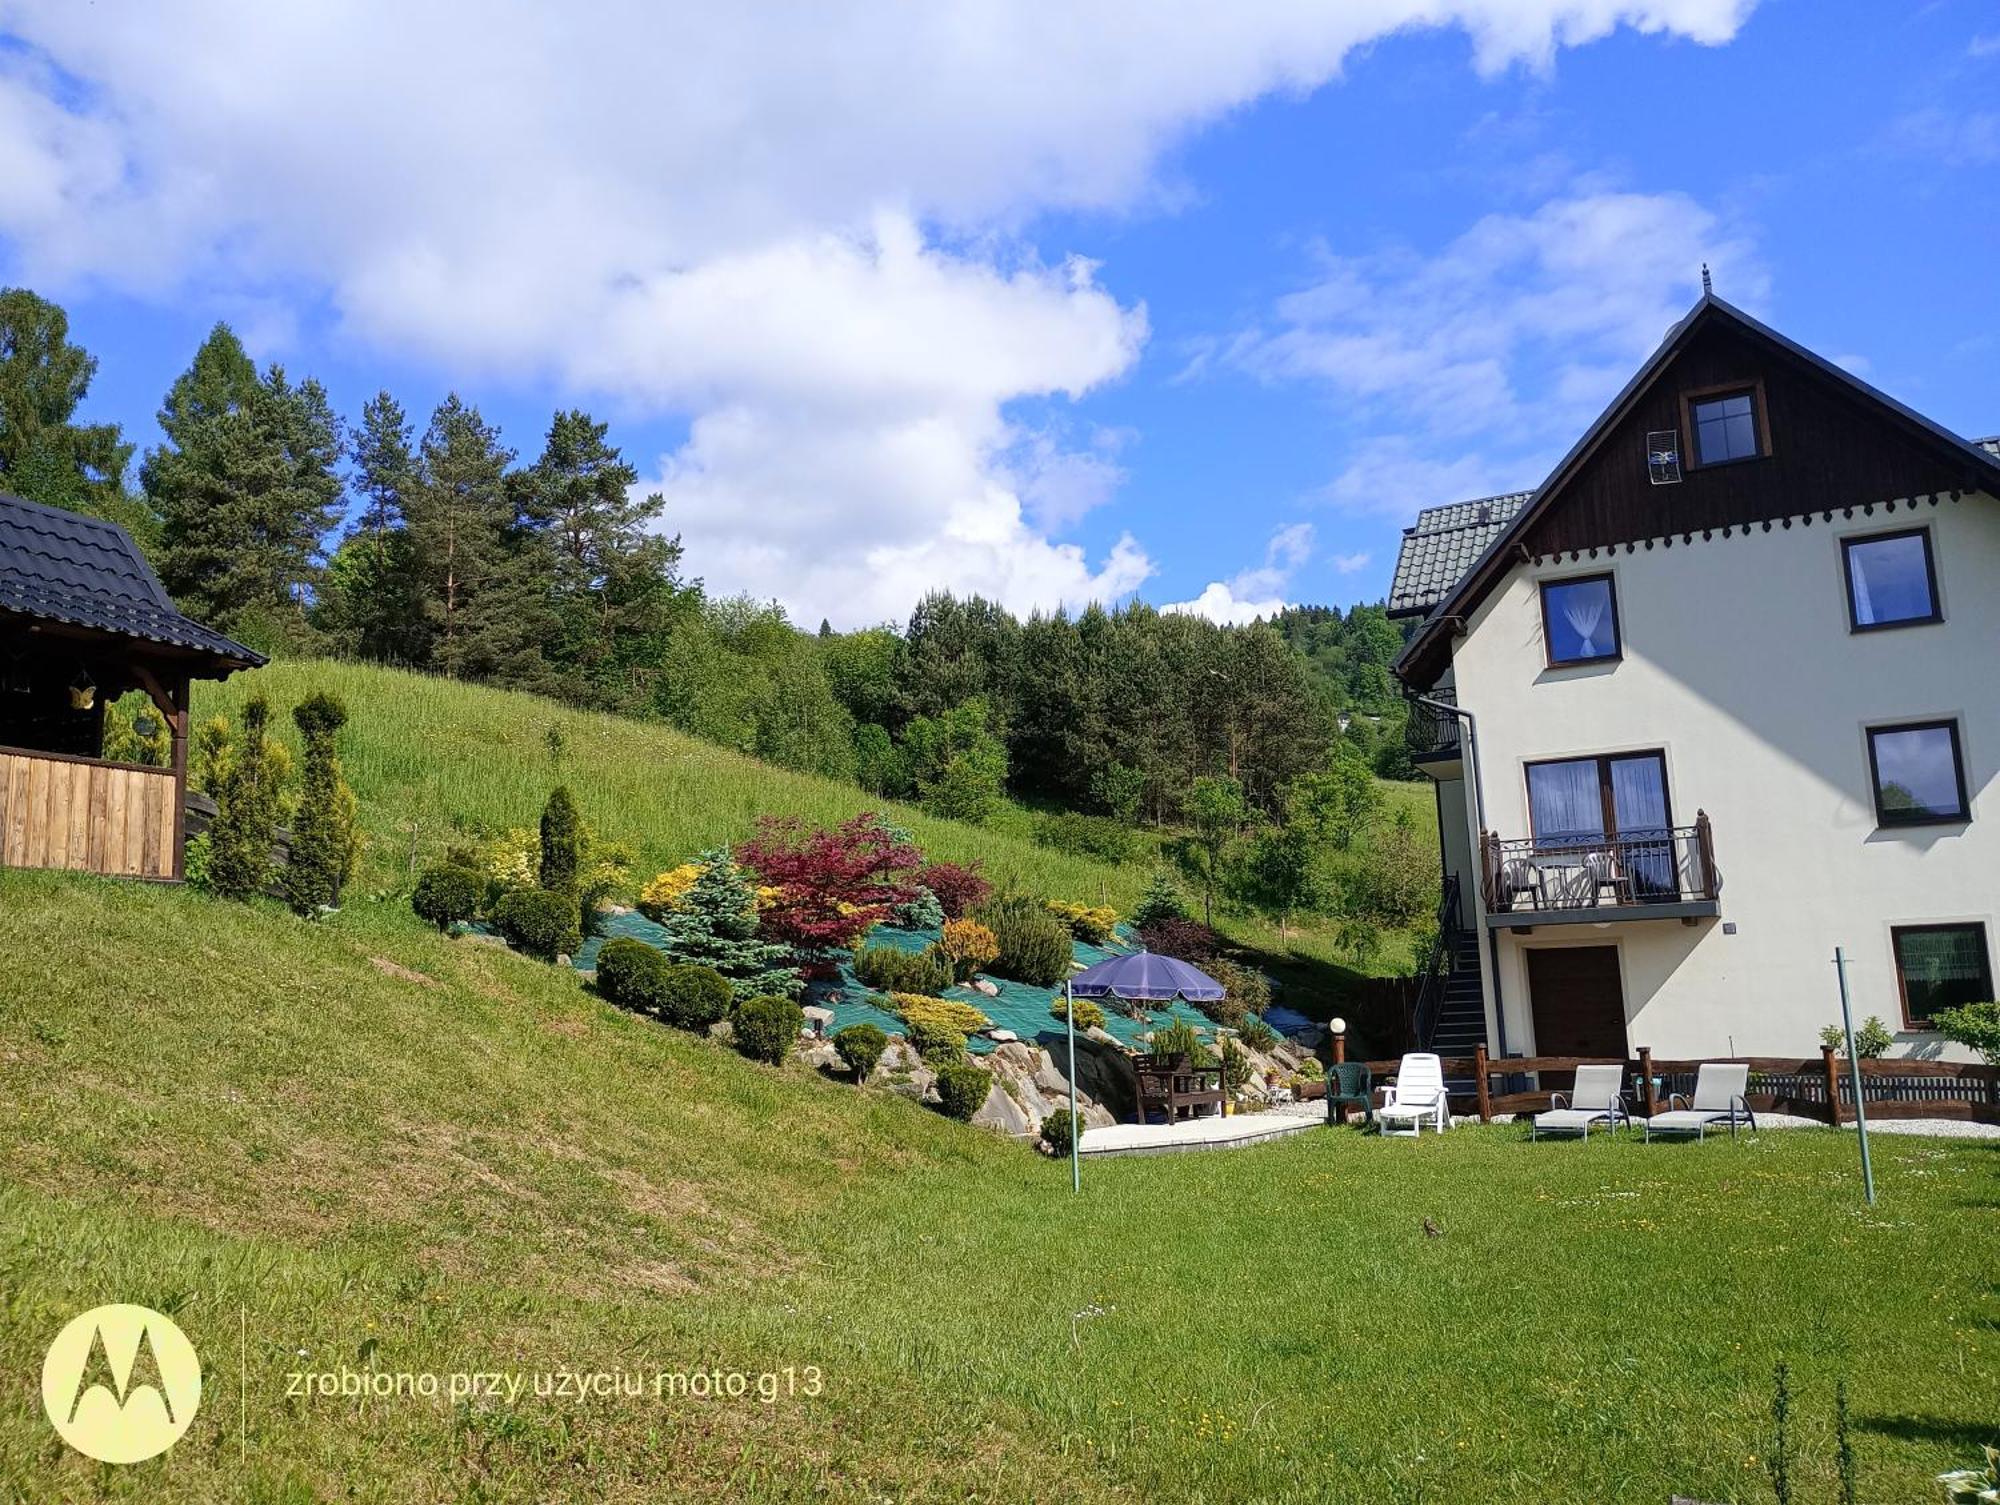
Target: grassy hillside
[(355, 1144)]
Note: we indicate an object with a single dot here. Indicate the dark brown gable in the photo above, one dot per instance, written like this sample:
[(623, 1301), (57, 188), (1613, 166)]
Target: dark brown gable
[(1828, 447)]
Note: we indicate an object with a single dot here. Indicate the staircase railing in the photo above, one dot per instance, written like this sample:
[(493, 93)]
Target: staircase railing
[(1436, 969)]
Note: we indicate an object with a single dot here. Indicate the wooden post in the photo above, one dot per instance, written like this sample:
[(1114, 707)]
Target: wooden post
[(1340, 1049), (172, 703), (1832, 1083), (1480, 1084), (1704, 836), (1648, 1093)]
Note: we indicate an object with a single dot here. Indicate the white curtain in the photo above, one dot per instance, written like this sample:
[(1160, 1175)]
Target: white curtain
[(1584, 611), (1565, 802), (1864, 605)]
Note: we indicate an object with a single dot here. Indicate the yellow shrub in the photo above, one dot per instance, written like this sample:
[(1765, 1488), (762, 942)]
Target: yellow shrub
[(665, 892), (1085, 923), (1089, 1012), (968, 946), (515, 859), (945, 1013)]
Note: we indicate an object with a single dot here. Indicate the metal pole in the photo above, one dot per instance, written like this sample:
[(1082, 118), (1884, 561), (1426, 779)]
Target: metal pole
[(1854, 1072), (1076, 1154)]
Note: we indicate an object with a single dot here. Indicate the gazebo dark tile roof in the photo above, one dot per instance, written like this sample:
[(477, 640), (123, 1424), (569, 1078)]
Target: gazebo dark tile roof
[(65, 567), (1992, 444), (1443, 544)]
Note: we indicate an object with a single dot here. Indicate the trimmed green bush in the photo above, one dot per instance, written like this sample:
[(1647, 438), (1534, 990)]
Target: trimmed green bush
[(539, 923), (767, 1028), (962, 1089), (448, 894), (1257, 1034), (696, 997), (634, 975), (562, 842), (1060, 1130), (888, 969), (861, 1046), (1034, 944), (936, 1042), (1089, 1013)]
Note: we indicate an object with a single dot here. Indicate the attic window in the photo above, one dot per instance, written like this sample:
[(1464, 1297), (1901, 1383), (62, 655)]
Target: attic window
[(1727, 425)]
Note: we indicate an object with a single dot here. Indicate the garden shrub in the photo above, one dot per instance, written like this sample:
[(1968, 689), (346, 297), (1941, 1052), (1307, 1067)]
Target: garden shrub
[(960, 888), (561, 843), (634, 975), (962, 1089), (767, 1028), (1870, 1039), (1089, 1012), (1060, 1130), (513, 860), (1079, 835), (239, 857), (539, 923), (861, 1046), (194, 864), (935, 1043), (696, 997), (890, 969), (447, 895), (967, 946), (832, 886), (1311, 1069), (715, 925), (1034, 945), (1974, 1025), (920, 912), (1161, 901), (325, 842), (946, 1013), (1092, 925), (1179, 1039), (664, 892), (1257, 1034), (1235, 1067), (1187, 940), (1246, 991)]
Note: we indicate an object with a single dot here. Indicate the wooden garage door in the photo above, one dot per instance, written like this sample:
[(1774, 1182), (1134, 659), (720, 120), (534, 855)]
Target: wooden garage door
[(1578, 1004)]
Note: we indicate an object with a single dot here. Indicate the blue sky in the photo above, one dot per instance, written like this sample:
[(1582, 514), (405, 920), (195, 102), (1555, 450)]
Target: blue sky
[(1199, 307)]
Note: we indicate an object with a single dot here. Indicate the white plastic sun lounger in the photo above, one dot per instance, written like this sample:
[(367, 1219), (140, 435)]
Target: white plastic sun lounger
[(1718, 1099), (1415, 1098), (1593, 1100)]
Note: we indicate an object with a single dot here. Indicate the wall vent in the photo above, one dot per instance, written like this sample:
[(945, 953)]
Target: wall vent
[(1663, 457)]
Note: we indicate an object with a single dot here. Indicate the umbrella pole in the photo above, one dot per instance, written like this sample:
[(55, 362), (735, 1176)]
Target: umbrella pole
[(1075, 1154)]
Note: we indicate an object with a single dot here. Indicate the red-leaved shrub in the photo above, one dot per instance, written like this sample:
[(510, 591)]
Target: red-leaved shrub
[(832, 886), (1188, 940), (960, 889)]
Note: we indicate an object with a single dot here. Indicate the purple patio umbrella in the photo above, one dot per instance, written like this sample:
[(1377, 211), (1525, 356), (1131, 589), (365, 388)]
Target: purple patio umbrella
[(1141, 977)]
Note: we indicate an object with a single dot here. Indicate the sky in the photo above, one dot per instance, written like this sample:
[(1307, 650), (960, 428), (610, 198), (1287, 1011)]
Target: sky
[(1193, 303)]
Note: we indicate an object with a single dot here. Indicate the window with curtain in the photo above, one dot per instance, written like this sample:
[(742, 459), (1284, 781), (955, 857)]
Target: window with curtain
[(1725, 428), (1891, 580), (1940, 967), (1580, 620), (1918, 772)]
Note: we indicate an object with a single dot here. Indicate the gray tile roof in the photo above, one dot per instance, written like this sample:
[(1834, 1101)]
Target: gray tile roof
[(1443, 544), (65, 567), (1992, 444)]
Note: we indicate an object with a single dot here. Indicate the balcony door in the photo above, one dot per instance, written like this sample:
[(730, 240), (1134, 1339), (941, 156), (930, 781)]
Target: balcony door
[(1617, 803)]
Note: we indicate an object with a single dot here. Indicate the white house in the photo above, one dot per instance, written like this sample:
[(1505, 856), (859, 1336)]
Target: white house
[(1717, 698)]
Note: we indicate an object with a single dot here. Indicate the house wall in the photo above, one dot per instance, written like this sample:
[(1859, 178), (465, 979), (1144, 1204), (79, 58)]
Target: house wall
[(1739, 664)]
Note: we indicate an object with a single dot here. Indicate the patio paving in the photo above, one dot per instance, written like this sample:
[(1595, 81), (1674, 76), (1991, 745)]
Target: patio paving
[(1232, 1133)]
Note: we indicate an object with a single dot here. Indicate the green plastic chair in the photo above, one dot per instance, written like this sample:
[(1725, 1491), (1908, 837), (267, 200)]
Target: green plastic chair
[(1350, 1084)]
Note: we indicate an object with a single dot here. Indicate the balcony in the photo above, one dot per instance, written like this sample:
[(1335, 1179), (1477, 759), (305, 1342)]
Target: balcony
[(1432, 735), (1654, 875)]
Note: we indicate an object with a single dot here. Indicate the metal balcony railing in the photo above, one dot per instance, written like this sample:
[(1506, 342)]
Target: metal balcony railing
[(1628, 871)]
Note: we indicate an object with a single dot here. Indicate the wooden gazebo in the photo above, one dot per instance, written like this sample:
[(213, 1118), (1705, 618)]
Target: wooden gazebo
[(83, 619)]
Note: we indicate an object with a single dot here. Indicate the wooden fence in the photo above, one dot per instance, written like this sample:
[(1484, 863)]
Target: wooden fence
[(1819, 1087), (117, 819)]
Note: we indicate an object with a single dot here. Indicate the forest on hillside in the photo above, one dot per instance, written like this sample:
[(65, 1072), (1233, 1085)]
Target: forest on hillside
[(430, 543)]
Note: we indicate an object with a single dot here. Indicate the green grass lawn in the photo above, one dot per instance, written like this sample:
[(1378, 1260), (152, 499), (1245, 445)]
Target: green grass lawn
[(359, 1144)]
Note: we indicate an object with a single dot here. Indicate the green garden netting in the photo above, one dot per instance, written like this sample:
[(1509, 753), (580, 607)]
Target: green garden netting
[(1018, 1007)]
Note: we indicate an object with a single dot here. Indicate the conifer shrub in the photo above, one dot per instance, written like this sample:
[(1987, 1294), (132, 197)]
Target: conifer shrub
[(696, 997), (1162, 900), (538, 923), (1060, 1130), (1094, 926), (1034, 944), (448, 894), (325, 842), (935, 1044), (921, 912), (947, 1013), (967, 946), (861, 1047), (1089, 1012), (239, 858), (634, 975), (962, 1089), (766, 1028), (561, 843), (889, 969), (714, 924)]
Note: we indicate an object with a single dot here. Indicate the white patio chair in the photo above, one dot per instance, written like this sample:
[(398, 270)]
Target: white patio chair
[(1593, 1100), (1415, 1097), (1718, 1098)]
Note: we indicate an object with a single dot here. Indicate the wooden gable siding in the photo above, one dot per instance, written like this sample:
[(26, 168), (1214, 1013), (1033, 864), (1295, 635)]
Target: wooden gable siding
[(1829, 448)]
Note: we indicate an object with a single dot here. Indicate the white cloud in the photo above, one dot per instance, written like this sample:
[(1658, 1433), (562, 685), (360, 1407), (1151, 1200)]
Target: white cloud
[(1984, 46), (1467, 371), (1940, 137), (1260, 591), (1350, 564), (801, 235)]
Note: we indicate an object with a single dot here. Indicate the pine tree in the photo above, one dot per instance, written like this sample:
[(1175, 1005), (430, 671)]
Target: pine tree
[(325, 844), (372, 602), (245, 487), (45, 455), (239, 861), (482, 580), (715, 926), (616, 586)]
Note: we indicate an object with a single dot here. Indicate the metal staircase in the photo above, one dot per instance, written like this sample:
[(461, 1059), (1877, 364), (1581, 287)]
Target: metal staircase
[(1450, 1014)]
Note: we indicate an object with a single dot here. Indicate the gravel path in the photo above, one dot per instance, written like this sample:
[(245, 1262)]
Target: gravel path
[(1928, 1128)]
